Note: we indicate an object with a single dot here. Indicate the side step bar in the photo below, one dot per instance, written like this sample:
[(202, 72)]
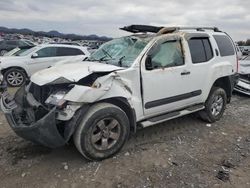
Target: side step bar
[(171, 115)]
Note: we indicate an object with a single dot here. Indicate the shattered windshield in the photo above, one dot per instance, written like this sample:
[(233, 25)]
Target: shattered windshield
[(121, 52)]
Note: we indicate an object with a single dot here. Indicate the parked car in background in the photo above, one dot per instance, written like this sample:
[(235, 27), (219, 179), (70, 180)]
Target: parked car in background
[(7, 45), (243, 86), (16, 69), (128, 83), (246, 50), (17, 51)]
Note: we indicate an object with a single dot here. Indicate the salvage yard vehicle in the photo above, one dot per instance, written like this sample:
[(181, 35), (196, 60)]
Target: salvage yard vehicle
[(17, 51), (7, 45), (136, 81), (17, 69), (243, 86)]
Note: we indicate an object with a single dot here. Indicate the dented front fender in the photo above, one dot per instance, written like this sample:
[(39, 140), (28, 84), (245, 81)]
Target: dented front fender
[(108, 86)]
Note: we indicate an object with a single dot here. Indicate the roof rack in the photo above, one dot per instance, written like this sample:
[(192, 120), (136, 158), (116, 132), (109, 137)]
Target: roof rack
[(141, 28), (155, 29)]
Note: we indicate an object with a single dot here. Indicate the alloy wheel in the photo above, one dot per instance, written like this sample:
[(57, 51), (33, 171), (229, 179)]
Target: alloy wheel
[(15, 78), (106, 133)]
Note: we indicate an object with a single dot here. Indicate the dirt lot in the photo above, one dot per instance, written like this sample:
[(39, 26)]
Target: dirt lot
[(185, 152)]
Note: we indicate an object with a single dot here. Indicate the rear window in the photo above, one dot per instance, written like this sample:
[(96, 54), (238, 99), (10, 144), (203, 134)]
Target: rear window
[(201, 50), (225, 45), (63, 51)]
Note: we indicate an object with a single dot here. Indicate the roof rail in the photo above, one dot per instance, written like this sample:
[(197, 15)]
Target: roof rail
[(155, 29)]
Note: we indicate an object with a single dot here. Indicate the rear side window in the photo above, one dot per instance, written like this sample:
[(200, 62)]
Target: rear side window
[(225, 45), (63, 51), (201, 50)]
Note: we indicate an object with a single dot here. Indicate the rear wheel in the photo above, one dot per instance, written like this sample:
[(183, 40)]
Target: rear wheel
[(215, 105), (15, 77), (102, 132)]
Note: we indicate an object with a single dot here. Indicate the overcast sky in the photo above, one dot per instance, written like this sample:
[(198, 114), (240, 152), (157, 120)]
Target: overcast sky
[(105, 17)]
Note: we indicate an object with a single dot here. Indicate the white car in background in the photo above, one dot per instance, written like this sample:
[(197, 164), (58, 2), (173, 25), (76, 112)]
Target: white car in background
[(16, 69), (243, 86)]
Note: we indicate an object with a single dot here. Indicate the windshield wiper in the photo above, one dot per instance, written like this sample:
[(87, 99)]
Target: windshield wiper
[(120, 61)]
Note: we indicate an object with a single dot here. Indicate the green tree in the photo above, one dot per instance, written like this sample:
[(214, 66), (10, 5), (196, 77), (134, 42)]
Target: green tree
[(241, 43), (248, 42)]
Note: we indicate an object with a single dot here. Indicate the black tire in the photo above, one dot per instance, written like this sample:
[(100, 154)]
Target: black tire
[(15, 77), (213, 111), (95, 141)]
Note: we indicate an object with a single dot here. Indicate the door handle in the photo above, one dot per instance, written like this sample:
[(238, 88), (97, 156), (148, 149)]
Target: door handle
[(185, 73)]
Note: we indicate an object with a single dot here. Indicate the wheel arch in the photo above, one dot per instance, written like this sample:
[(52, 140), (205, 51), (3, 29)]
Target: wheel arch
[(15, 67), (226, 84)]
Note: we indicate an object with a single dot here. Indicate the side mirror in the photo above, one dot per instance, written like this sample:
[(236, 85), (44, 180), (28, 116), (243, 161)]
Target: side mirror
[(148, 63), (34, 55)]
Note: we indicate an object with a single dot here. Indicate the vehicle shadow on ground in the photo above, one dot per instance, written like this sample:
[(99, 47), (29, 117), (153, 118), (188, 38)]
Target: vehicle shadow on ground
[(18, 149)]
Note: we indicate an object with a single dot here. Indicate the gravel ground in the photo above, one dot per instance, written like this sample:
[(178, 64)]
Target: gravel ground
[(185, 152)]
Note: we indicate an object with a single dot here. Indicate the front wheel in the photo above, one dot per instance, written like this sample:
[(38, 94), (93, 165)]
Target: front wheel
[(215, 105), (15, 77), (102, 132)]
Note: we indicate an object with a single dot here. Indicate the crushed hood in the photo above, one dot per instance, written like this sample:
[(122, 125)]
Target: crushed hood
[(71, 72)]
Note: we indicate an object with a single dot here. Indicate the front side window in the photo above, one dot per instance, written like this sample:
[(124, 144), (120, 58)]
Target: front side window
[(225, 45), (200, 49), (65, 51), (169, 54), (122, 51), (47, 52)]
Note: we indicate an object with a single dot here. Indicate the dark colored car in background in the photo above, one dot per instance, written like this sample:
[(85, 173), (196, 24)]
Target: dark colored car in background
[(7, 45)]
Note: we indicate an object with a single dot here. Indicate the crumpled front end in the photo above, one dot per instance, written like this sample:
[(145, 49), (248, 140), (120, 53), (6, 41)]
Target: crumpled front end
[(243, 85), (32, 120)]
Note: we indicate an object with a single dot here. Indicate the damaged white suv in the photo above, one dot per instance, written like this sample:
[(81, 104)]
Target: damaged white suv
[(144, 79)]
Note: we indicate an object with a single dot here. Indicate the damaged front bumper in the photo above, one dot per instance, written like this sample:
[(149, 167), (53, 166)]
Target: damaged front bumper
[(43, 129), (243, 85)]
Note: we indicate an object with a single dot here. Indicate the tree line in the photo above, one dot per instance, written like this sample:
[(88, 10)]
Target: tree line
[(244, 43)]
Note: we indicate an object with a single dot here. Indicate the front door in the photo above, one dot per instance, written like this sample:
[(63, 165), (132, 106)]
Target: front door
[(167, 86)]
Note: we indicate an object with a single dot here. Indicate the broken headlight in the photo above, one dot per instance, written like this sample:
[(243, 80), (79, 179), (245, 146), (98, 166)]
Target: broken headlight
[(56, 98)]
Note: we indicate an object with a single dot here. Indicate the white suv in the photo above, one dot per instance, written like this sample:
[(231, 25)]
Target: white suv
[(16, 69), (130, 82)]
